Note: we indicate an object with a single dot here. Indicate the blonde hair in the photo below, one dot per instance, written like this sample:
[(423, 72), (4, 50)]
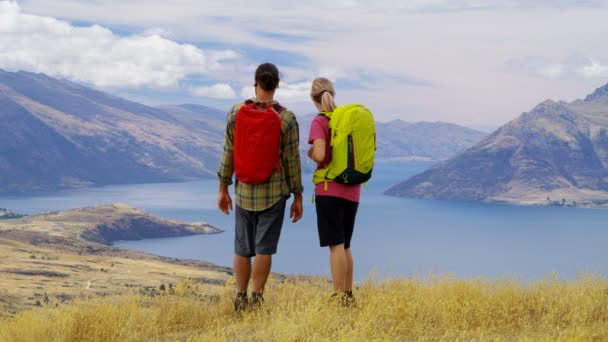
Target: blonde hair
[(322, 93)]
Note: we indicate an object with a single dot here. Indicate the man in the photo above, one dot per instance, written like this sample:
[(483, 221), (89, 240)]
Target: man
[(260, 207)]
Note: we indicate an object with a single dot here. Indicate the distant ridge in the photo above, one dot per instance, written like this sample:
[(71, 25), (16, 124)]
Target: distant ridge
[(556, 154)]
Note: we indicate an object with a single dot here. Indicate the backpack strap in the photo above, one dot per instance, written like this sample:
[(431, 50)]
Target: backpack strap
[(276, 106), (325, 114)]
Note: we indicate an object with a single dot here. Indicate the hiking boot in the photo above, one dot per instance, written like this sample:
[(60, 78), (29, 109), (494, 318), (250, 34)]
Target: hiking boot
[(345, 299), (348, 300), (240, 302), (257, 300)]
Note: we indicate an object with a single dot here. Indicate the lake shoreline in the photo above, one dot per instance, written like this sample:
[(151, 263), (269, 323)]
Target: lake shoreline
[(393, 236)]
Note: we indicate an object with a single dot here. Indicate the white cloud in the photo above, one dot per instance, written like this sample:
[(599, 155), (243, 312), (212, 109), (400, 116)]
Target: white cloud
[(414, 60), (217, 91), (286, 92), (96, 55), (333, 73), (594, 69), (552, 70), (574, 66), (248, 92), (294, 92)]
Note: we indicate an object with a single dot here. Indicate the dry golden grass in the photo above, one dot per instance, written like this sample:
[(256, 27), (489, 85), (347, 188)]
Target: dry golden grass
[(437, 308), (49, 271), (44, 261)]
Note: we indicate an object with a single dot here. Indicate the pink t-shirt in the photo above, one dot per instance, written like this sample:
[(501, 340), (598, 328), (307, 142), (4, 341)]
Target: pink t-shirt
[(319, 129)]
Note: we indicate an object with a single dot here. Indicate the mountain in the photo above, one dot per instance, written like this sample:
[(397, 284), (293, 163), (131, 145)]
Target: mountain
[(423, 140), (556, 154), (400, 140), (58, 134), (55, 134)]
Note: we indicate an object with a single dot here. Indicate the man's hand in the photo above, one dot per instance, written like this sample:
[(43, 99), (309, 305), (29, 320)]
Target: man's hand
[(224, 202), (295, 214)]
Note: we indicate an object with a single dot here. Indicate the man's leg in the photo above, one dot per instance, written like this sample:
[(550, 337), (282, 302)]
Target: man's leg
[(244, 245), (268, 231), (242, 272), (338, 265), (261, 269)]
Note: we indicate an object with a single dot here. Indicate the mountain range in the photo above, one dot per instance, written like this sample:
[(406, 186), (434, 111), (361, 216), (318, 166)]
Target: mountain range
[(556, 154), (55, 133), (59, 134)]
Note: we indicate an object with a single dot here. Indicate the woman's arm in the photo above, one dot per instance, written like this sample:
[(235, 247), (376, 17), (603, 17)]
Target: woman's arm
[(317, 151)]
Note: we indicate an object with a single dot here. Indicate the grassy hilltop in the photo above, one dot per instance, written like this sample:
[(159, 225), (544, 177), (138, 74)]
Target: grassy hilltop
[(402, 310)]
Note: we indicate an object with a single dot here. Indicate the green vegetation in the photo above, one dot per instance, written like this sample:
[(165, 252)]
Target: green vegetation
[(300, 310)]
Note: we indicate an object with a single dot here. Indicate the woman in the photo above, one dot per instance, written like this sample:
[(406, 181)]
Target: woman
[(336, 203)]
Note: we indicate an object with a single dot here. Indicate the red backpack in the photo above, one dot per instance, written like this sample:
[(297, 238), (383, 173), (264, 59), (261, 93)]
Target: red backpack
[(257, 136)]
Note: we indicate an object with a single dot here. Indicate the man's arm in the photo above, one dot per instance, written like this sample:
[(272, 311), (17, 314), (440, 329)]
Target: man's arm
[(224, 202), (226, 168), (296, 210)]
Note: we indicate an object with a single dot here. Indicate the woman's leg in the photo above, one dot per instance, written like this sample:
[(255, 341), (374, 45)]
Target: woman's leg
[(339, 267), (348, 286), (350, 214)]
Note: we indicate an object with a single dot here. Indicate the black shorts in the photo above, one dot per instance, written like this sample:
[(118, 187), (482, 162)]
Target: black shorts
[(258, 232), (335, 220)]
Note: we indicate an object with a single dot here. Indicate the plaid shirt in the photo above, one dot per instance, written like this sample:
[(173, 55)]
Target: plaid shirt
[(288, 180)]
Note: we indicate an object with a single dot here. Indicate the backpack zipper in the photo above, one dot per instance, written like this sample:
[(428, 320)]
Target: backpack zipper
[(351, 152)]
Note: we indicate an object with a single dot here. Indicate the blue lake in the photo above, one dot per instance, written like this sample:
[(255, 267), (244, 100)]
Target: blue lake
[(393, 236)]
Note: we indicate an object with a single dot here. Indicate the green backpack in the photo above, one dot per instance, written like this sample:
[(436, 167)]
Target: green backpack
[(353, 143)]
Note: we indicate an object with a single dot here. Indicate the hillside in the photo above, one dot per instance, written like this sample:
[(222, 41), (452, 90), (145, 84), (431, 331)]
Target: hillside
[(106, 224), (56, 134), (556, 154)]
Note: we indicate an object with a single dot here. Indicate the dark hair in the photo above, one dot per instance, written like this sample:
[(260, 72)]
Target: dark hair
[(267, 76)]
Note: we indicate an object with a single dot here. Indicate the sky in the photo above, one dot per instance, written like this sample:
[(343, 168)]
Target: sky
[(478, 63)]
